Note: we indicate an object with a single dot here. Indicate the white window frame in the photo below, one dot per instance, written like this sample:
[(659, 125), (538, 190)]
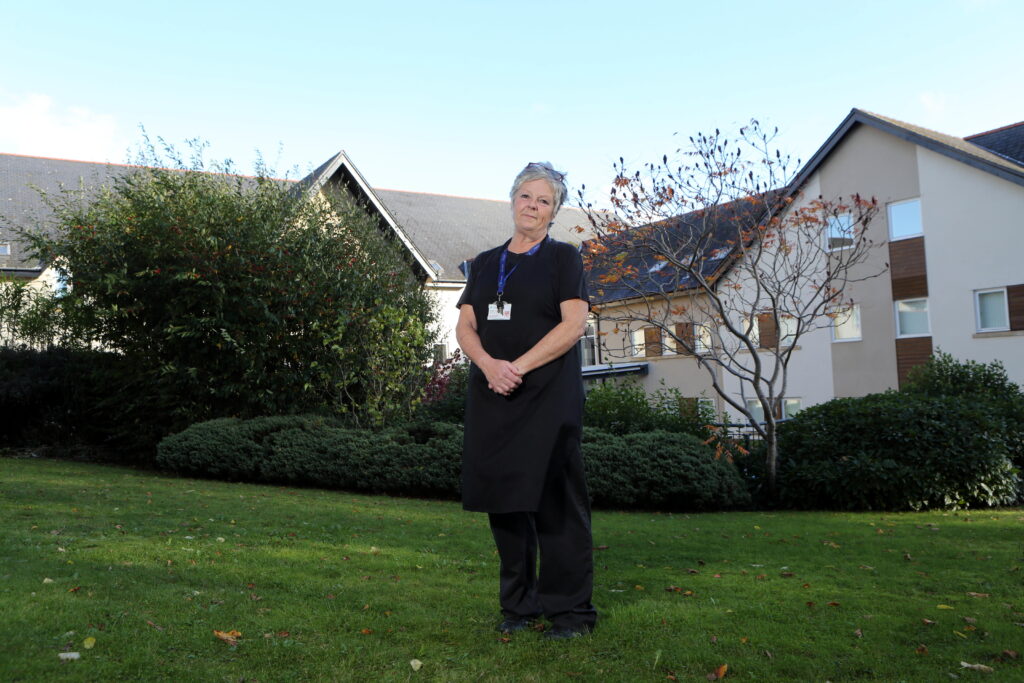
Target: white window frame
[(849, 311), (896, 314), (977, 309), (839, 227), (637, 343), (755, 409), (708, 403), (703, 340), (5, 248), (888, 216)]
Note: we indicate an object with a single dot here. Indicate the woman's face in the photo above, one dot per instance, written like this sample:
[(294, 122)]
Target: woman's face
[(534, 205)]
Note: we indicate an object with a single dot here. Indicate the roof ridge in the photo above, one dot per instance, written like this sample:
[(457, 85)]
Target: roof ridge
[(994, 130), (123, 165)]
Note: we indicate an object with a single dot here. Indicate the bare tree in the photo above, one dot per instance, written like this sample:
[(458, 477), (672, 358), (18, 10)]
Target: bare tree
[(720, 257)]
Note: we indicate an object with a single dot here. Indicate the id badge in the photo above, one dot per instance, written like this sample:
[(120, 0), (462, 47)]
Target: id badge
[(504, 312)]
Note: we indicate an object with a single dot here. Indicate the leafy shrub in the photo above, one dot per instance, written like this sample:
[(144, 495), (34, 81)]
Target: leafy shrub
[(983, 384), (418, 459), (894, 451), (445, 397), (660, 470), (56, 397), (234, 296), (625, 408)]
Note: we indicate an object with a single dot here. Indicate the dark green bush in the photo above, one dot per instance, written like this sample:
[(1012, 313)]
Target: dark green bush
[(983, 384), (894, 451), (417, 459), (445, 397), (623, 407), (56, 397), (660, 470)]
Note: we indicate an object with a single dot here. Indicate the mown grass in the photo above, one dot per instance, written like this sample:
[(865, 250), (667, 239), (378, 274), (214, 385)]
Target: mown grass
[(331, 586)]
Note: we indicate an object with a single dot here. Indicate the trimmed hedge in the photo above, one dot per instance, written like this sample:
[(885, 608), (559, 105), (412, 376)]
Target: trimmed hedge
[(658, 470), (894, 451)]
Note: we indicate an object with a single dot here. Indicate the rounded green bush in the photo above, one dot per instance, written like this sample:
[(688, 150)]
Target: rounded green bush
[(894, 451), (660, 470), (656, 470)]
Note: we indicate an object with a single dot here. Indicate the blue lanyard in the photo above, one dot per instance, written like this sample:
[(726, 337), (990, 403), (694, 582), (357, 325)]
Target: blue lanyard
[(502, 275)]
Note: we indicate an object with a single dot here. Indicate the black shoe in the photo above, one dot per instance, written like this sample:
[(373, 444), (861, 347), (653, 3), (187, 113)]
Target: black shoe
[(565, 633), (515, 624)]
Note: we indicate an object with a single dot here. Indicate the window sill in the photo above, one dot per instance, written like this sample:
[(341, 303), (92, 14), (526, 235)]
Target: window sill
[(999, 333), (847, 341)]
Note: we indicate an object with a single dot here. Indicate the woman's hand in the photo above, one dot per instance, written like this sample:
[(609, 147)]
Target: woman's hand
[(502, 376)]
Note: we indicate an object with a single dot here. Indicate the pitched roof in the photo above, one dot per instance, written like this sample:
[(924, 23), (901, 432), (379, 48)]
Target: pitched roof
[(1007, 141), (440, 231), (708, 237), (21, 178), (948, 145), (455, 229)]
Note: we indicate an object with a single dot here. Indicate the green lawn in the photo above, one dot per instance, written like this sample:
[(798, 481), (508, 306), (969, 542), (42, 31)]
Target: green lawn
[(331, 586)]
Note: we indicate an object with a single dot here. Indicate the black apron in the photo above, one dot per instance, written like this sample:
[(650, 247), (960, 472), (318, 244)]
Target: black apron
[(510, 440)]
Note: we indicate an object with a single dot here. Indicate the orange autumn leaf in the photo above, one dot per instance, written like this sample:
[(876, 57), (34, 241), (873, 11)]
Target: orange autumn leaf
[(230, 637), (366, 631), (922, 649), (718, 673)]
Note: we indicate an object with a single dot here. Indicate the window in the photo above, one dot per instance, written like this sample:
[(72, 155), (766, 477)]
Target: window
[(588, 346), (754, 407), (790, 407), (905, 219), (992, 311), (635, 342), (846, 324), (702, 342), (839, 232), (440, 353), (765, 334), (706, 405), (912, 318), (5, 249)]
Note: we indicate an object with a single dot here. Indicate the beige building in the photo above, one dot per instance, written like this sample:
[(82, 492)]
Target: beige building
[(951, 212)]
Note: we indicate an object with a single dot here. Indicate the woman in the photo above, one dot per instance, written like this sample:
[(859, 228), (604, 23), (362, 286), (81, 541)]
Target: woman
[(523, 310)]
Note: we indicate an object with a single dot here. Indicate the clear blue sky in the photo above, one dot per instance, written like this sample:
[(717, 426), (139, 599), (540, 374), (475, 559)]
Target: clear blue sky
[(455, 97)]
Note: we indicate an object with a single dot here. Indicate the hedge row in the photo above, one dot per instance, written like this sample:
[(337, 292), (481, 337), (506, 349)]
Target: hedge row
[(896, 451), (657, 470)]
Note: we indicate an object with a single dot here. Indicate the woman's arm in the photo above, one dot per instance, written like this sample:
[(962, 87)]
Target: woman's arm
[(559, 340), (502, 377)]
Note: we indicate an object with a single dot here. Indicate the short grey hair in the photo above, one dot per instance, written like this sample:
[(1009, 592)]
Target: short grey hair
[(542, 170)]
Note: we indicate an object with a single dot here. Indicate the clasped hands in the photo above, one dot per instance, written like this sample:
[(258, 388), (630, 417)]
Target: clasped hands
[(503, 377)]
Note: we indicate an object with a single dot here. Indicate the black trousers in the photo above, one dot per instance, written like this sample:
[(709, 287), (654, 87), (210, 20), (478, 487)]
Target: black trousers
[(560, 531)]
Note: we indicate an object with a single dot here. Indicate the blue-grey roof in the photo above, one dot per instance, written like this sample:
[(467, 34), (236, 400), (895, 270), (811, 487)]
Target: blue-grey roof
[(1007, 141), (441, 230)]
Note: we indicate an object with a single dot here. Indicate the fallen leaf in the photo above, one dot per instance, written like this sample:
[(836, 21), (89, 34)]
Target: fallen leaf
[(858, 633), (415, 664), (922, 649), (811, 603), (89, 643), (928, 622), (833, 604), (977, 667), (718, 673), (906, 556), (601, 547), (693, 571), (943, 607), (75, 589), (977, 595), (867, 567), (970, 620), (1012, 654), (69, 655), (674, 589), (158, 628), (957, 633), (47, 580), (230, 637), (366, 631)]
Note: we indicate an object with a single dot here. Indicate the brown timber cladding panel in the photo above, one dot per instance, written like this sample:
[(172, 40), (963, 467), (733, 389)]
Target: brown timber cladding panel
[(652, 341), (911, 352), (1015, 302), (907, 269), (684, 333)]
